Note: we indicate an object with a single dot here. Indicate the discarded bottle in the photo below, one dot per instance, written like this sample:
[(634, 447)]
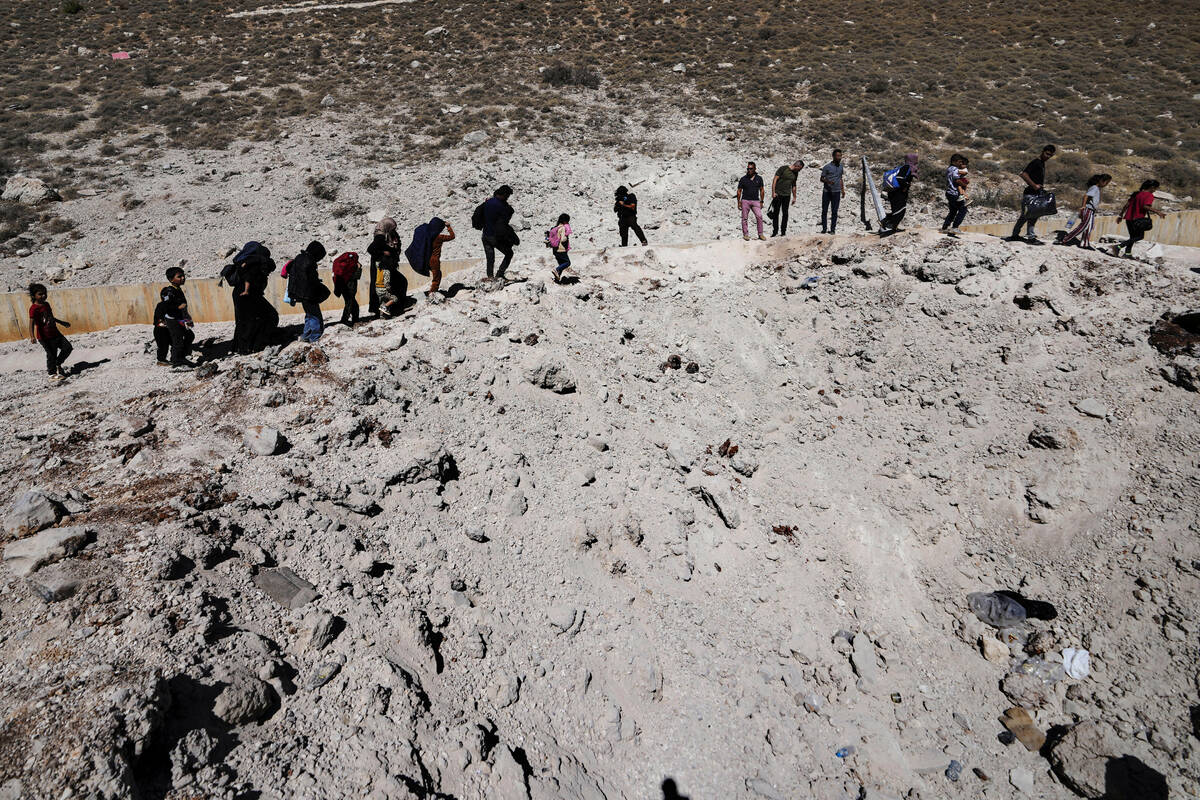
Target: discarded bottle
[(954, 770), (997, 610), (1050, 674), (848, 750)]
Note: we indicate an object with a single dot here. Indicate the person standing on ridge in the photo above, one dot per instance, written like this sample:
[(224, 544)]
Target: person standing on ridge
[(1034, 177), (783, 194), (305, 288), (955, 177), (493, 218), (833, 189), (750, 198), (1136, 214), (1081, 234), (43, 329), (173, 311), (435, 258), (897, 182), (626, 209)]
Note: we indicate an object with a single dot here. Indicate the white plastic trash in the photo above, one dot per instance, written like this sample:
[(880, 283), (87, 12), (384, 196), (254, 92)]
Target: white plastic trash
[(1076, 663)]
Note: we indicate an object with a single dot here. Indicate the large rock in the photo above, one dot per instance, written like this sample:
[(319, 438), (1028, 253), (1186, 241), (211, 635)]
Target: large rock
[(25, 556), (263, 440), (31, 512), (1091, 760), (552, 375), (28, 191), (285, 587), (245, 699)]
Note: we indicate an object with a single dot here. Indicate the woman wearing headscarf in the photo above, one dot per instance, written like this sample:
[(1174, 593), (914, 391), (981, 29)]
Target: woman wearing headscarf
[(305, 287), (386, 291), (897, 182)]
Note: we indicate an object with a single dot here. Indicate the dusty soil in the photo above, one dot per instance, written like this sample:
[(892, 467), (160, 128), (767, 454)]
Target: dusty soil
[(550, 558)]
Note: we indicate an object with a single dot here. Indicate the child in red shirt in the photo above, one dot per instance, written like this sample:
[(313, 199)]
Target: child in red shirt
[(43, 328)]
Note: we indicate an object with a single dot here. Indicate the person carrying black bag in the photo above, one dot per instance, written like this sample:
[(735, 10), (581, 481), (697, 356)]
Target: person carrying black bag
[(494, 216), (1136, 214), (626, 210), (1034, 177)]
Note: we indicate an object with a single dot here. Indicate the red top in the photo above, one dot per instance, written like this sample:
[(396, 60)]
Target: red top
[(41, 319), (1138, 205)]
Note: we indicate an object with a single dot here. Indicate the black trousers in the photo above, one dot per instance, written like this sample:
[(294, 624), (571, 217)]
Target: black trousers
[(957, 213), (490, 246), (1136, 234), (627, 224), (779, 214), (57, 350), (181, 340), (830, 203), (162, 340), (898, 201), (255, 320)]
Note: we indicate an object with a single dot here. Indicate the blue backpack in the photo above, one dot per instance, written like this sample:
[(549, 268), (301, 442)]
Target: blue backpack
[(891, 178)]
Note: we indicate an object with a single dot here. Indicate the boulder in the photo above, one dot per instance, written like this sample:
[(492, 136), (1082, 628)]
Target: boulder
[(26, 556), (28, 191), (552, 375), (1081, 757), (31, 512), (245, 699), (263, 441)]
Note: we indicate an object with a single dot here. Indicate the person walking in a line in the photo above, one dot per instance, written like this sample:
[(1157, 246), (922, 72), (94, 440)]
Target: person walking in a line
[(254, 316), (749, 198), (173, 311), (346, 272), (833, 189), (955, 196), (497, 230), (305, 288), (1034, 178), (897, 182), (1081, 234), (626, 209), (435, 258), (559, 239), (385, 259), (783, 194), (388, 287), (43, 330), (1136, 214)]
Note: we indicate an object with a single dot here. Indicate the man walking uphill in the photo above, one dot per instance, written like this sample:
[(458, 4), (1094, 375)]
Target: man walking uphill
[(783, 194), (749, 198), (833, 189), (1034, 178), (493, 218)]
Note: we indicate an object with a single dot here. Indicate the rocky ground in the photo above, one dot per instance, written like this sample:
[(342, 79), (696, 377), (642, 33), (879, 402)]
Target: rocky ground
[(702, 524)]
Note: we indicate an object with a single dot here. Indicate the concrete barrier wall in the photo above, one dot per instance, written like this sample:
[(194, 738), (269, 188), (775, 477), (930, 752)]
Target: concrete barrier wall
[(1181, 228), (97, 308)]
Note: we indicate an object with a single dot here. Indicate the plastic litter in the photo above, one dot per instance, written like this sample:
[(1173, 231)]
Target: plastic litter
[(848, 750), (120, 55), (809, 283), (1050, 674), (1077, 663), (997, 610), (954, 770)]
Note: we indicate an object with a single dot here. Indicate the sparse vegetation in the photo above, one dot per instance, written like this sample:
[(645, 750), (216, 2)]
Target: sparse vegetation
[(563, 75)]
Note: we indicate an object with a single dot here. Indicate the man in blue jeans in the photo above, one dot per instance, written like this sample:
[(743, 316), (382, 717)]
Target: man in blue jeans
[(832, 191)]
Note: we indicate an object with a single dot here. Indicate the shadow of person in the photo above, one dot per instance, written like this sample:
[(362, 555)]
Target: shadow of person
[(670, 791), (454, 289), (80, 367), (1128, 778)]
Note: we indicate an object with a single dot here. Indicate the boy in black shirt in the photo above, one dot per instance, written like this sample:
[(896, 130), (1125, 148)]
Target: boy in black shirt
[(172, 314), (1034, 177)]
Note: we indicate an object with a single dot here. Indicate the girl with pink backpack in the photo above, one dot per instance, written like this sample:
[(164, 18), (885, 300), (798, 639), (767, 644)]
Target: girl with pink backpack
[(558, 239)]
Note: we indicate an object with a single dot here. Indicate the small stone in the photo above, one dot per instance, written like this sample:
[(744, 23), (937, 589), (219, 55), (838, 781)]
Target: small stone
[(323, 629), (285, 587), (475, 137), (1021, 779), (994, 650), (475, 534), (598, 444), (53, 585), (326, 672), (552, 375), (516, 505), (263, 441), (1091, 407)]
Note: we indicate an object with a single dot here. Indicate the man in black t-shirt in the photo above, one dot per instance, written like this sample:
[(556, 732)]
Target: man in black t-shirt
[(749, 198), (626, 208), (1034, 178)]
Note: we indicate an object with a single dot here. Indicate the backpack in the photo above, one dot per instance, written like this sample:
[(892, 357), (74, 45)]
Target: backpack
[(477, 217), (283, 272), (345, 267), (891, 178), (553, 238), (252, 252)]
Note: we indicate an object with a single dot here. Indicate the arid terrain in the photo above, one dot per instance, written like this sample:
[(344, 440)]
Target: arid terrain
[(714, 519)]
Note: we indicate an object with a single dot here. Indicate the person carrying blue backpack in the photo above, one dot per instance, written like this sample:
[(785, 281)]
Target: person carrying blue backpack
[(896, 183)]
